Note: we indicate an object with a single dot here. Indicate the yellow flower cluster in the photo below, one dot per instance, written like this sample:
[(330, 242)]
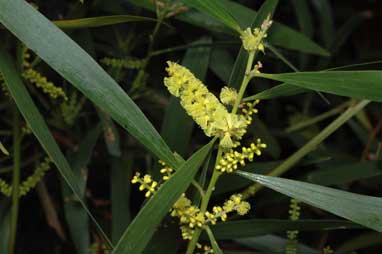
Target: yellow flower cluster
[(146, 184), (4, 88), (39, 80), (327, 250), (292, 235), (30, 182), (5, 188), (203, 106), (228, 96), (165, 170), (205, 248), (252, 39), (191, 217), (235, 203), (131, 63), (231, 159), (249, 109)]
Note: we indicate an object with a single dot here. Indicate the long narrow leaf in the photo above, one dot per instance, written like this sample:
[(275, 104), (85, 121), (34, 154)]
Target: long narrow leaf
[(256, 227), (76, 66), (217, 10), (142, 228), (277, 91), (356, 84), (99, 21), (362, 209)]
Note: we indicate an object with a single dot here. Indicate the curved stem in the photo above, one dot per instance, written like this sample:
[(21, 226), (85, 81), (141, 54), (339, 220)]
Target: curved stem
[(15, 180)]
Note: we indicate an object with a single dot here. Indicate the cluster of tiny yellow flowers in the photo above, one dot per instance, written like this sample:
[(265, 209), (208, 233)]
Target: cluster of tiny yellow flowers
[(39, 80), (294, 215), (166, 171), (38, 174), (204, 107), (5, 188), (234, 203), (190, 216), (327, 250), (205, 248), (97, 247), (228, 96), (231, 159), (4, 88), (30, 182), (249, 109), (131, 63), (146, 183), (252, 39)]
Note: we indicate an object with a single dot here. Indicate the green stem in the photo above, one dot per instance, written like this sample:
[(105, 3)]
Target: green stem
[(216, 174), (205, 200), (15, 180), (310, 146), (244, 83), (318, 118)]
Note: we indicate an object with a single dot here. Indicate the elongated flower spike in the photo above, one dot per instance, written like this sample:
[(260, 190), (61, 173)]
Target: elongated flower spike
[(203, 106)]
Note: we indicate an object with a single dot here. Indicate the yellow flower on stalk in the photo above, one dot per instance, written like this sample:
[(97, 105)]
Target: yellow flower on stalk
[(252, 39), (203, 106)]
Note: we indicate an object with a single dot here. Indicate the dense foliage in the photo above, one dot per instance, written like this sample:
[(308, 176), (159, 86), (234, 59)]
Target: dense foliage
[(190, 126)]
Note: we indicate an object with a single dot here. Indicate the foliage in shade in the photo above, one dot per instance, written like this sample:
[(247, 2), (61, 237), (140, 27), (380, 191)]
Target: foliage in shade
[(345, 204)]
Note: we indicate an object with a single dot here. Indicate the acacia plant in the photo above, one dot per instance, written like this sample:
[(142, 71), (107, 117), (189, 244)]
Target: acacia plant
[(204, 183)]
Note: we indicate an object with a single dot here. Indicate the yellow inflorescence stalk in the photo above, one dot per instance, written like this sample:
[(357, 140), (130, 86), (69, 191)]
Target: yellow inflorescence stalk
[(204, 107), (39, 80), (125, 63), (231, 159), (30, 182)]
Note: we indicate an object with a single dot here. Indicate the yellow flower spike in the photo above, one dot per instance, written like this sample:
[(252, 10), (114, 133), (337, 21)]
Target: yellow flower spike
[(204, 107), (40, 81), (231, 158)]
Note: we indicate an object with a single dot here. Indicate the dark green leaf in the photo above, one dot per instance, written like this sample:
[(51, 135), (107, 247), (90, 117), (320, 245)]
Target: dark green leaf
[(356, 84), (76, 217), (99, 21), (256, 227), (345, 173), (277, 91), (362, 209), (217, 10)]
